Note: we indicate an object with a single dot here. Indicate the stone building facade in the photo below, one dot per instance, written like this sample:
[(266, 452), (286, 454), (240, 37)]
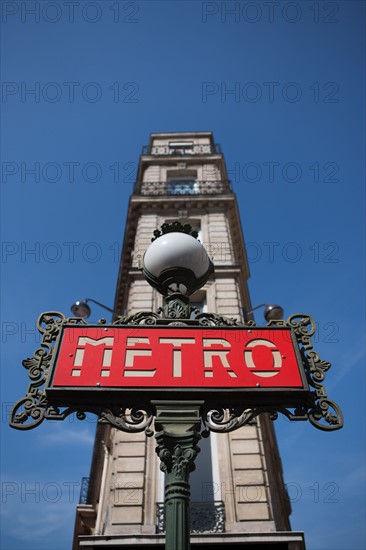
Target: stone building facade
[(238, 494)]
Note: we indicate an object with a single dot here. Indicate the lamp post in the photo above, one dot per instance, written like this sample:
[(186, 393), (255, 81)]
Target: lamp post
[(66, 379), (81, 308), (272, 312), (177, 264)]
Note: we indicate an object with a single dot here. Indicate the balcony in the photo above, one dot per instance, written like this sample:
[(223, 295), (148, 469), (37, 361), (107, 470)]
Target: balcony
[(180, 150), (197, 187), (205, 517)]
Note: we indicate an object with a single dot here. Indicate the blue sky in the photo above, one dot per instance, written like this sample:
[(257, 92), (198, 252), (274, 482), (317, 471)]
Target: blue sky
[(281, 85)]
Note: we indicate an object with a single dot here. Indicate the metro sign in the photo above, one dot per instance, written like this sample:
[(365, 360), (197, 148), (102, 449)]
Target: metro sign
[(124, 372), (175, 359)]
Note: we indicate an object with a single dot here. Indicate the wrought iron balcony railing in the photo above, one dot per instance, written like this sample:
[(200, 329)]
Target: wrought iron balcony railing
[(181, 150), (205, 517), (197, 187), (84, 489)]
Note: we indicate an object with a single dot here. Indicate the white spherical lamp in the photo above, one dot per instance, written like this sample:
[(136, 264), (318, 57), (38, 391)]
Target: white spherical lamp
[(176, 262)]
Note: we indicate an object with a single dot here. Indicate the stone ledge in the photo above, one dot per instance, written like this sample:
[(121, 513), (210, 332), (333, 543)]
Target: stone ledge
[(292, 540)]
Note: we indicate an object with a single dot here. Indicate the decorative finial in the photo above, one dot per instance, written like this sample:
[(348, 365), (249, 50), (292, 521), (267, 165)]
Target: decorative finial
[(174, 227)]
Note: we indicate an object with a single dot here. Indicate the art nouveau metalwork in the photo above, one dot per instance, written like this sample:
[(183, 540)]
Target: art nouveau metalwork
[(35, 407), (205, 517)]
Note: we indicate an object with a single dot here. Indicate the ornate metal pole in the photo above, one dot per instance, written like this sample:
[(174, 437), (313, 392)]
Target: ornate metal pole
[(178, 425)]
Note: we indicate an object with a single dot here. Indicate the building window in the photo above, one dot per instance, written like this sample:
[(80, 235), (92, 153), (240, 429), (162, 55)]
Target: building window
[(182, 186), (203, 488), (182, 182), (198, 300), (180, 147)]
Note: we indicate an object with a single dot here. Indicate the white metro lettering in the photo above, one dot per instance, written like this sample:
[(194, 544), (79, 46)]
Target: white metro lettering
[(208, 355), (80, 352), (132, 353), (177, 353), (186, 358), (276, 358)]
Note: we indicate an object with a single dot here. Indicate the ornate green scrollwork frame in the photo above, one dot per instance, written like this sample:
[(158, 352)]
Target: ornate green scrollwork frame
[(31, 410), (323, 413)]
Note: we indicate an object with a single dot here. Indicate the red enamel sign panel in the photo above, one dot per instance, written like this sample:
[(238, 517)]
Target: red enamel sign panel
[(175, 357)]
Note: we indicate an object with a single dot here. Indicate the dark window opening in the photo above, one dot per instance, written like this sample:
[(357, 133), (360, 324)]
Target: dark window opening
[(182, 186)]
